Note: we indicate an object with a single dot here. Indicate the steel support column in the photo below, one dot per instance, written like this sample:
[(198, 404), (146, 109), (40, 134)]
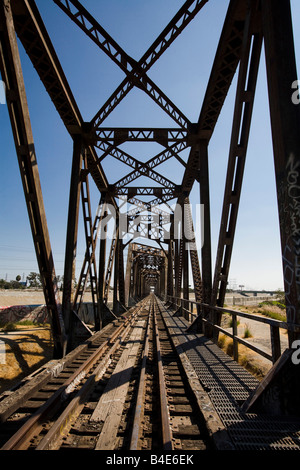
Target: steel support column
[(205, 203), (237, 154), (72, 231), (89, 260), (119, 289), (128, 284), (90, 230), (192, 245), (170, 288), (285, 123), (11, 72), (185, 253), (121, 280), (116, 275)]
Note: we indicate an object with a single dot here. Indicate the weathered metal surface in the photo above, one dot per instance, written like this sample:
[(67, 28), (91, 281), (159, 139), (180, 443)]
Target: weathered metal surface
[(11, 72), (285, 121)]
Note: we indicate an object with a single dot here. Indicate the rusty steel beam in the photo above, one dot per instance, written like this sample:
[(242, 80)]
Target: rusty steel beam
[(153, 162), (224, 68), (72, 233), (128, 287), (153, 91), (87, 22), (36, 41), (285, 125), (136, 75), (206, 255), (102, 264), (162, 136), (245, 94), (140, 167), (135, 71), (91, 241), (147, 168), (191, 246), (37, 44), (146, 191), (11, 72)]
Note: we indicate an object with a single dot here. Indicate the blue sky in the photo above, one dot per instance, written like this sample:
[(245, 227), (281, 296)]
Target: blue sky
[(182, 73)]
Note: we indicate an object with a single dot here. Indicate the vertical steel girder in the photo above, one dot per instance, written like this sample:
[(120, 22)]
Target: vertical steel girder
[(102, 256), (280, 387), (89, 268), (109, 269), (237, 154), (91, 240), (119, 285), (170, 288), (185, 257), (285, 125), (128, 287), (192, 247), (72, 232), (206, 258), (11, 73)]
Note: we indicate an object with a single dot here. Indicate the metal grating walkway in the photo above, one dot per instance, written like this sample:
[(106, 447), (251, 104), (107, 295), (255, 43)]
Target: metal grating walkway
[(228, 385)]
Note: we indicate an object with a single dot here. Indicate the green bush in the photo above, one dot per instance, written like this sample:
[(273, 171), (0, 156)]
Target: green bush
[(10, 326), (273, 303), (247, 332), (26, 323)]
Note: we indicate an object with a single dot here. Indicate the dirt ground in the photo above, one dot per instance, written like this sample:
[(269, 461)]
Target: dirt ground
[(26, 350), (259, 337), (11, 297)]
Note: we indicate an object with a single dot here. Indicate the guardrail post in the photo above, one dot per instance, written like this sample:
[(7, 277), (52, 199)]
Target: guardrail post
[(235, 342), (275, 343)]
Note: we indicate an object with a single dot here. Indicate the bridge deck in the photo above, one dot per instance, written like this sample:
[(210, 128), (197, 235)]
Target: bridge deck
[(142, 383), (228, 385)]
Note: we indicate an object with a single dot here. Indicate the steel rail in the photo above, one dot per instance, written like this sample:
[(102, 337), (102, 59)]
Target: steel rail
[(50, 407), (20, 439), (136, 428), (73, 409), (165, 421)]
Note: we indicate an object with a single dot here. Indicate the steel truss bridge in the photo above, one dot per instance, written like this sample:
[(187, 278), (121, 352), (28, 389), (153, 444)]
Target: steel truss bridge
[(154, 281)]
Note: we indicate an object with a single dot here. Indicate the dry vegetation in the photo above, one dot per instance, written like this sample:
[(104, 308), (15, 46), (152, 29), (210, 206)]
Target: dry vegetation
[(27, 348), (247, 358)]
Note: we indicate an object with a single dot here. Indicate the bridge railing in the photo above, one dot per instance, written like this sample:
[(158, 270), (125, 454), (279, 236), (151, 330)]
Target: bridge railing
[(192, 310)]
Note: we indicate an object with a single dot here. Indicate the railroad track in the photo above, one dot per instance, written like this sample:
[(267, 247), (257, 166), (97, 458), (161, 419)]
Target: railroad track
[(181, 423), (128, 390)]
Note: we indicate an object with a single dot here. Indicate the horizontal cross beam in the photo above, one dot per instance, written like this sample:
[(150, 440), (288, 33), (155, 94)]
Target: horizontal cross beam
[(144, 191), (162, 136)]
